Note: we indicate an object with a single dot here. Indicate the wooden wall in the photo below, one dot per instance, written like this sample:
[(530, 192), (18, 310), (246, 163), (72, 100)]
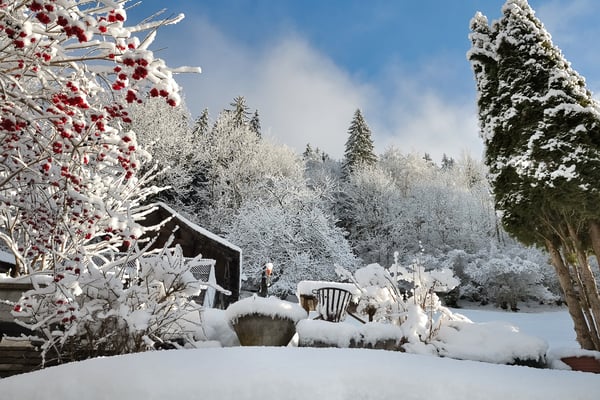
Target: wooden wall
[(192, 242)]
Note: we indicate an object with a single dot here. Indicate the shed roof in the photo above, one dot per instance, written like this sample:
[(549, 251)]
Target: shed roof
[(198, 228)]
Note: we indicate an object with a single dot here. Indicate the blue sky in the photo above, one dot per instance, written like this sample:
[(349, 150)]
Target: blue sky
[(306, 65)]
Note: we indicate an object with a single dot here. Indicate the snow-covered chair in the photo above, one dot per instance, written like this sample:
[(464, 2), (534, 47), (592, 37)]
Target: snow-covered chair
[(332, 303)]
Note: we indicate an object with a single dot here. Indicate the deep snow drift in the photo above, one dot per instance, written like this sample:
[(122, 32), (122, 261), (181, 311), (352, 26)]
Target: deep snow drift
[(266, 373), (252, 373)]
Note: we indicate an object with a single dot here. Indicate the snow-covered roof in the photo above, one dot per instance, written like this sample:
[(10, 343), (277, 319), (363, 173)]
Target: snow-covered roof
[(198, 228)]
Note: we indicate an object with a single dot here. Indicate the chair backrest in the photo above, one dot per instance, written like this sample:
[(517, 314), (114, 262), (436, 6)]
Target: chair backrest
[(332, 303)]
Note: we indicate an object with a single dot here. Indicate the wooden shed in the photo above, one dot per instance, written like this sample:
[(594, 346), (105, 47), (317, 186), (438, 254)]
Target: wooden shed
[(195, 240)]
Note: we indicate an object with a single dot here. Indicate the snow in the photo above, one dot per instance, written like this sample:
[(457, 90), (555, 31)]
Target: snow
[(294, 373), (271, 306), (344, 334), (495, 342), (240, 373)]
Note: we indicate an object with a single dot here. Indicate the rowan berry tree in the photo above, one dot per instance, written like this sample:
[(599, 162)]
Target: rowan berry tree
[(68, 171), (70, 181)]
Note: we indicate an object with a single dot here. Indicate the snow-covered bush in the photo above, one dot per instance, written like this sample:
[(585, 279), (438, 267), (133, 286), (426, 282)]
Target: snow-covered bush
[(510, 275), (115, 306), (379, 299), (494, 342), (418, 310)]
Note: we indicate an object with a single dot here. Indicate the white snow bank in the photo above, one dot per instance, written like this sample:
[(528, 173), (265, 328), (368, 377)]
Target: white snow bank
[(270, 373), (555, 326), (494, 342), (271, 306)]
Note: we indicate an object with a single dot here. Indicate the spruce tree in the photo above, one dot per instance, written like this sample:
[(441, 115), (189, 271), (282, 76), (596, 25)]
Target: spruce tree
[(359, 146), (541, 129), (240, 111), (255, 124), (201, 124)]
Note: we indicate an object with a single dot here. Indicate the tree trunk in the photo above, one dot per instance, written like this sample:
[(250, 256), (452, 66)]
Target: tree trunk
[(595, 238), (582, 331), (588, 283)]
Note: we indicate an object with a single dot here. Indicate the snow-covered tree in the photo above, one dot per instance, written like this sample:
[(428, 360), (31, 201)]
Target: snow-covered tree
[(508, 275), (372, 206), (359, 146), (234, 163), (70, 181), (540, 126), (201, 125), (68, 169), (165, 133), (288, 227), (255, 124)]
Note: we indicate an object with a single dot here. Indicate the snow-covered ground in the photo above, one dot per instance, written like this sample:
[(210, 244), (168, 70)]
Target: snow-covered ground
[(307, 373)]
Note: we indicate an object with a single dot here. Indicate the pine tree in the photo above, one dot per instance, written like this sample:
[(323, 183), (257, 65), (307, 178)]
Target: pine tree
[(308, 152), (255, 124), (447, 162), (541, 128), (240, 111), (201, 125), (359, 146)]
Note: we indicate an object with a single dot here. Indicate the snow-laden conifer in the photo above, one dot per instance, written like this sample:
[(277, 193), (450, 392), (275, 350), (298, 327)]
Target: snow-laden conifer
[(541, 128), (359, 146)]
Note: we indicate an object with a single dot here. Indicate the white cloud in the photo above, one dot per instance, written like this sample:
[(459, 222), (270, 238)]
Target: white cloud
[(303, 97), (424, 122)]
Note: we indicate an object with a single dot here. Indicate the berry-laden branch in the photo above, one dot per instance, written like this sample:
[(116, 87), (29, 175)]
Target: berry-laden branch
[(69, 172)]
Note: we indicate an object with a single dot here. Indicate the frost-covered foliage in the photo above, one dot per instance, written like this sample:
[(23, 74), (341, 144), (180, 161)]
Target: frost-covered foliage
[(235, 167), (165, 132), (404, 296), (111, 306), (371, 210), (69, 179), (507, 277), (289, 228), (405, 200)]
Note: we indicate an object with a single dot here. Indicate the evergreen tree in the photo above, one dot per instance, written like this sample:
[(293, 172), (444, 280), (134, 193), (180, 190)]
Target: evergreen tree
[(201, 125), (541, 128), (447, 162), (240, 111), (255, 124), (359, 146), (308, 152)]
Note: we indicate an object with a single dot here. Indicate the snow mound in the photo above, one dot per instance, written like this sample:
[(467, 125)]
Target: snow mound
[(494, 342)]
